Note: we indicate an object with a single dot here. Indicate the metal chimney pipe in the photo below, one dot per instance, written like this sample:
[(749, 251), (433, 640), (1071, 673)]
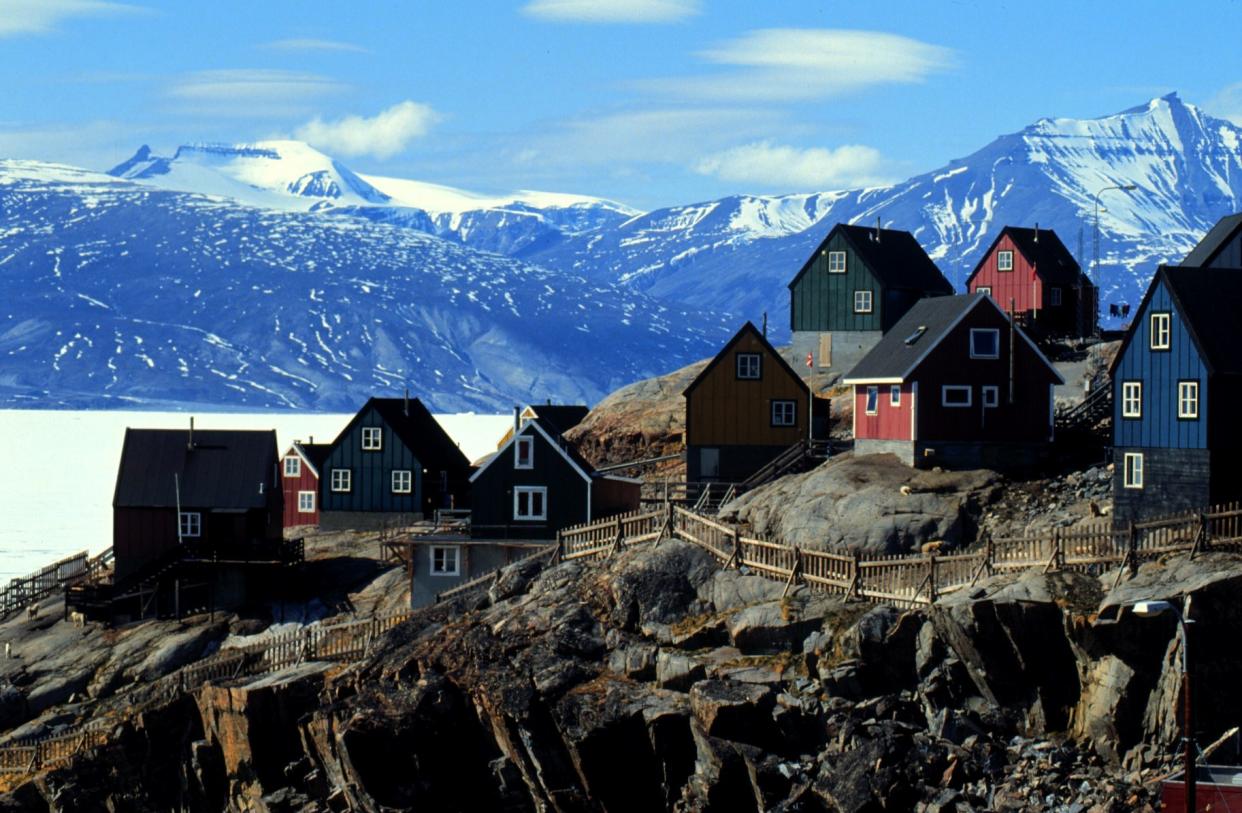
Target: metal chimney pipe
[(189, 444), (405, 404), (517, 418)]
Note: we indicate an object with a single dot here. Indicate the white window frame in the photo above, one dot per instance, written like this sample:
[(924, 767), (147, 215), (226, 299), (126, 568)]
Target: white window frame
[(1188, 400), (833, 266), (293, 466), (306, 502), (945, 389), (746, 371), (1132, 470), (342, 481), (984, 289), (873, 400), (402, 481), (518, 491), (866, 303), (441, 568), (1161, 329), (981, 331), (894, 395), (527, 443), (372, 438), (190, 523), (991, 396), (1054, 297), (784, 412), (1004, 260), (1131, 396)]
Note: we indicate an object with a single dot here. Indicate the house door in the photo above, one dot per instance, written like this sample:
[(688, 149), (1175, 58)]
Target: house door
[(709, 464)]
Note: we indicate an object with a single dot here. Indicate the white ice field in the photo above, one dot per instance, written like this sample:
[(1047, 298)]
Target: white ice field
[(58, 469)]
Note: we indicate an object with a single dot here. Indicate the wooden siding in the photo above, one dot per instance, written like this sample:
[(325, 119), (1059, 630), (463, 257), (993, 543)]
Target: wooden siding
[(1026, 420), (290, 486), (821, 301), (371, 488), (1020, 289), (1160, 371), (567, 496), (890, 422), (609, 496), (723, 410)]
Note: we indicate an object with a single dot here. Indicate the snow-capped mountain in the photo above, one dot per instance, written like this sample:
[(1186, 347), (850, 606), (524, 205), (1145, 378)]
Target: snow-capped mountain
[(738, 253), (116, 292)]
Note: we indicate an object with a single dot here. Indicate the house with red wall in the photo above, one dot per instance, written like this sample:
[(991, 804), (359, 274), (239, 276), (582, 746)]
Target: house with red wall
[(955, 384), (299, 477), (1031, 273)]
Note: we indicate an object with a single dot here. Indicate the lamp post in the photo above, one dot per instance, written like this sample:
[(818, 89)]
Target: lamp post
[(1146, 609), (1095, 266)]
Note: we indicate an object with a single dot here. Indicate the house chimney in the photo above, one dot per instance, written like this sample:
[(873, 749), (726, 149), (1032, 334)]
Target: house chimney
[(765, 324), (405, 403), (877, 228), (189, 444), (310, 439), (517, 419), (1036, 231)]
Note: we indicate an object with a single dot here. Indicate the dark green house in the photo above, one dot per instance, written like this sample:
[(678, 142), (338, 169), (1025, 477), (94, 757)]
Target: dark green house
[(855, 286)]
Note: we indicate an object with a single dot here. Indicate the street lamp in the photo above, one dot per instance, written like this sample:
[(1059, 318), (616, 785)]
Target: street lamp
[(1095, 267), (1147, 609)]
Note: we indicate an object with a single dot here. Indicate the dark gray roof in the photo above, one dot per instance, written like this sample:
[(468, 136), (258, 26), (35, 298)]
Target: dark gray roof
[(225, 468), (1213, 241), (894, 257), (419, 431), (561, 416), (1207, 299), (922, 328)]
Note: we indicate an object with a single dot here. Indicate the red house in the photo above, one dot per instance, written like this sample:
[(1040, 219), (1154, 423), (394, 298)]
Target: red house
[(1031, 273), (955, 384), (299, 478)]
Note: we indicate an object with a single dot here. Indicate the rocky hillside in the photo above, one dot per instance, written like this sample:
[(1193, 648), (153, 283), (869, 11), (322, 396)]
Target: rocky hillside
[(658, 681)]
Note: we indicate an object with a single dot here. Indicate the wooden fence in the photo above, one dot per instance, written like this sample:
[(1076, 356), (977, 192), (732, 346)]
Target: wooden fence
[(22, 592)]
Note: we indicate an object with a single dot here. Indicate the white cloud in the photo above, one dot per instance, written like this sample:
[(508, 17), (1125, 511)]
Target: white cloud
[(250, 93), (1227, 103), (381, 136), (612, 11), (778, 165), (42, 16), (314, 45), (787, 64)]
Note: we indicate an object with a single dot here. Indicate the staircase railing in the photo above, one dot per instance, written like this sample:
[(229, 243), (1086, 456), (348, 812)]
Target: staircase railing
[(1094, 408)]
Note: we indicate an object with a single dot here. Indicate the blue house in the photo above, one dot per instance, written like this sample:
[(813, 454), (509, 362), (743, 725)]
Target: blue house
[(392, 461), (1177, 380)]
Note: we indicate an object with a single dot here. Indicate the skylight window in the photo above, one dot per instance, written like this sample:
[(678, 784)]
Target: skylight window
[(917, 334)]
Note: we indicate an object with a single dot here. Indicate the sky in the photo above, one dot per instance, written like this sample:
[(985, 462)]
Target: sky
[(648, 102)]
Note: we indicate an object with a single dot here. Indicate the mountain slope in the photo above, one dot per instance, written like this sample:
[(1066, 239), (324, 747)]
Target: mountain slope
[(117, 292)]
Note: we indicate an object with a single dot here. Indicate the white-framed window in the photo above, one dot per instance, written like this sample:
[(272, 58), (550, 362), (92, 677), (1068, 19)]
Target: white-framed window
[(873, 400), (984, 343), (749, 365), (191, 523), (784, 413), (342, 480), (1132, 399), (1160, 331), (372, 438), (991, 395), (894, 395), (402, 481), (862, 302), (445, 560), (524, 453), (1133, 470), (1054, 296), (530, 502), (955, 395), (984, 289), (306, 502), (1188, 399), (293, 466), (1004, 261), (836, 262)]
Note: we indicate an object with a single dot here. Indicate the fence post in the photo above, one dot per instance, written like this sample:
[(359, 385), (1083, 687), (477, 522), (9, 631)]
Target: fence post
[(560, 547), (931, 579), (1132, 551), (794, 572), (735, 559), (855, 577)]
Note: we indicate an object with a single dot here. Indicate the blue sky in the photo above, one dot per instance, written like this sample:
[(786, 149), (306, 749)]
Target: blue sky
[(650, 102)]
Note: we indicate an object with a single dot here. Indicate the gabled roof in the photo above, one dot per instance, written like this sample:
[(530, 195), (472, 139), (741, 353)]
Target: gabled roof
[(225, 469), (1206, 299), (918, 333), (540, 427), (896, 258), (1043, 249), (312, 454), (748, 328), (562, 417), (1212, 242), (418, 430)]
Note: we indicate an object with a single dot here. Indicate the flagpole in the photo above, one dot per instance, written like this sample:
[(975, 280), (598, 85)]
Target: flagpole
[(810, 401)]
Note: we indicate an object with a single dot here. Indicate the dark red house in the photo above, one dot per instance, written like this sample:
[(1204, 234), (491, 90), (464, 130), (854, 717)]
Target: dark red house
[(299, 477), (954, 383), (1031, 273)]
